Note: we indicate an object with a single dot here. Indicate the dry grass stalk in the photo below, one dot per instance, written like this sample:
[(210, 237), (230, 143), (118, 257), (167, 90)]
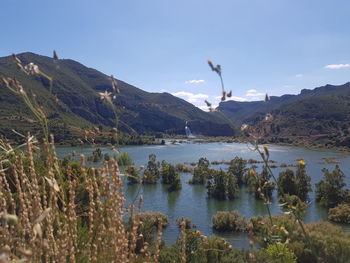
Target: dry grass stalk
[(51, 213)]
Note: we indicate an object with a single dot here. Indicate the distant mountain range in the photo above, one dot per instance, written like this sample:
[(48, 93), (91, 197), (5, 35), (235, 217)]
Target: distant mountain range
[(74, 104), (321, 115)]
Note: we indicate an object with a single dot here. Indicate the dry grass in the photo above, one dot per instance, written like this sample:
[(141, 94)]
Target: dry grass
[(51, 213)]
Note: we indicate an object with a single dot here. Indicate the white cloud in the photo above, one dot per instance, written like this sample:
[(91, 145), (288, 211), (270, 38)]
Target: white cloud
[(194, 81), (299, 75), (235, 98), (337, 66), (205, 108), (251, 91), (254, 93), (190, 97)]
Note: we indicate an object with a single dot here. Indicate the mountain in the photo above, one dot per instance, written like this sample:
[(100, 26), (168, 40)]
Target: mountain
[(72, 103), (320, 116)]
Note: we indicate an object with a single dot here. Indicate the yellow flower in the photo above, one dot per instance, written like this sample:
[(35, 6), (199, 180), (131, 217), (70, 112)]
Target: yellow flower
[(282, 228), (197, 232), (302, 163), (251, 172), (266, 148)]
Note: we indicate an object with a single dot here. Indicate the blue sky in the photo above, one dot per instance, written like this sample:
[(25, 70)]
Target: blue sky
[(274, 46)]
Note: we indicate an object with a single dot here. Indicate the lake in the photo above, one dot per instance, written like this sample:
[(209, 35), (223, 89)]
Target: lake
[(192, 200)]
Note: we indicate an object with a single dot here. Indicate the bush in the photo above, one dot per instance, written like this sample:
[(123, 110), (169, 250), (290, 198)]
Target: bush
[(340, 214), (133, 177), (326, 242), (224, 221), (188, 222), (183, 168), (124, 159), (154, 218)]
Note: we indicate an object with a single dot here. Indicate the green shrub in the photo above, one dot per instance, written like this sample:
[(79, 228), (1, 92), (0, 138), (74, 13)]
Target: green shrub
[(281, 253), (340, 214), (124, 159), (325, 242), (224, 221)]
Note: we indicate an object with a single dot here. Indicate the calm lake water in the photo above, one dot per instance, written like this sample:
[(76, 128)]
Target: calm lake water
[(192, 200)]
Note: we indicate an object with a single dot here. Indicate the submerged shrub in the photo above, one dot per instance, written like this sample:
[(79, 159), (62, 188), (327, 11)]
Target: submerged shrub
[(222, 186), (170, 176), (202, 172), (133, 173), (238, 168), (225, 221)]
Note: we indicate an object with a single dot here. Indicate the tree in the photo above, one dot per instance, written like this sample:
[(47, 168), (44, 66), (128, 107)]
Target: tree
[(222, 186), (202, 172), (286, 183), (329, 191), (297, 183), (302, 180), (151, 173)]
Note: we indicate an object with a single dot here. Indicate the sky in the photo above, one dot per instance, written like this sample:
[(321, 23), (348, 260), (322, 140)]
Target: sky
[(263, 46)]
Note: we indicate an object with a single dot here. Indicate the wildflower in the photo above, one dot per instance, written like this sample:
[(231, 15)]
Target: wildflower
[(197, 232), (268, 117), (244, 127), (211, 65), (266, 150), (32, 69), (302, 163), (106, 96), (251, 172), (223, 98)]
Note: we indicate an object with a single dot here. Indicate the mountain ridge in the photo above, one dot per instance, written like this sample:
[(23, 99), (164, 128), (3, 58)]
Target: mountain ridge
[(74, 101)]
